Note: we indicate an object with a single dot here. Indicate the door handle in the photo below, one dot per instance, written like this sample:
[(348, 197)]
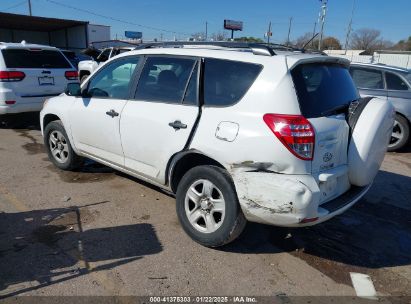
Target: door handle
[(177, 125), (112, 113)]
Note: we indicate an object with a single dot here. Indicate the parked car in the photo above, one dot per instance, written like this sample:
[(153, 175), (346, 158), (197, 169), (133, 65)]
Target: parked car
[(30, 73), (86, 67), (236, 131), (389, 83)]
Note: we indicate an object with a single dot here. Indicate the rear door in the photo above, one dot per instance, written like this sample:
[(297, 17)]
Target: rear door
[(44, 71), (370, 82), (157, 123), (325, 91)]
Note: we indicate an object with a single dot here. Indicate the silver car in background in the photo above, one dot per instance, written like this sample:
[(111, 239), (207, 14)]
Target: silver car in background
[(390, 83)]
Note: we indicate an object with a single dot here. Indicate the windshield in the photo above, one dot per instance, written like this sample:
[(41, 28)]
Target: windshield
[(323, 88)]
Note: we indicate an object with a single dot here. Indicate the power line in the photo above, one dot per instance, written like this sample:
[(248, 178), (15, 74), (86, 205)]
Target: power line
[(115, 19), (14, 6)]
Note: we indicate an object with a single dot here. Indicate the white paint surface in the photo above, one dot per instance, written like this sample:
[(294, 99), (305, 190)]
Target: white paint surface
[(363, 285)]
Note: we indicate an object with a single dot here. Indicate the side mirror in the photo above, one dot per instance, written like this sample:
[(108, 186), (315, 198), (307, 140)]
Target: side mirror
[(73, 89)]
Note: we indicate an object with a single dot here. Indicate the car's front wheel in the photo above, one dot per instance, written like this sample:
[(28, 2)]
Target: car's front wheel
[(400, 134), (208, 208), (59, 148)]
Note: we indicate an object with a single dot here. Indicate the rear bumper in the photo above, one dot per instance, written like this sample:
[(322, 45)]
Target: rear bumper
[(20, 108), (289, 200), (23, 104)]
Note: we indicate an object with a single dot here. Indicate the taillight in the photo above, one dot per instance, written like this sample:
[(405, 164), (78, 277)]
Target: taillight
[(295, 132), (71, 75), (9, 76)]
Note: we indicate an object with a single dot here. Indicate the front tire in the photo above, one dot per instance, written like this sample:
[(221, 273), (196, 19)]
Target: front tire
[(208, 207), (58, 147), (400, 134)]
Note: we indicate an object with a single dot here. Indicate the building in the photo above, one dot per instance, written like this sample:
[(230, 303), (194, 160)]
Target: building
[(62, 33), (389, 57)]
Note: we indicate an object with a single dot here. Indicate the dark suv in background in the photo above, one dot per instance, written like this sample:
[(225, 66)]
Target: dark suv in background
[(390, 83)]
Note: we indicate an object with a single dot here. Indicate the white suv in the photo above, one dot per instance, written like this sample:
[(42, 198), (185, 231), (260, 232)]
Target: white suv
[(30, 73), (237, 131)]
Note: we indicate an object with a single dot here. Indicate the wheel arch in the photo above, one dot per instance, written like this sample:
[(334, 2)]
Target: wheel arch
[(49, 118), (181, 162)]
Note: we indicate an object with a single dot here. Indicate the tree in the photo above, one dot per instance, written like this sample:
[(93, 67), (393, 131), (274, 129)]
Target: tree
[(200, 36), (365, 39), (249, 39), (403, 45), (302, 40), (219, 36), (331, 43)]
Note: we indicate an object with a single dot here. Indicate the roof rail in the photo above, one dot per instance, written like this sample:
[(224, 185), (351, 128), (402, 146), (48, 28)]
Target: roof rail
[(256, 48)]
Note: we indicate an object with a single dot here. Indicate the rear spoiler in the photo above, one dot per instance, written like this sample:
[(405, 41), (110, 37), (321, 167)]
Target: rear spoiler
[(293, 61)]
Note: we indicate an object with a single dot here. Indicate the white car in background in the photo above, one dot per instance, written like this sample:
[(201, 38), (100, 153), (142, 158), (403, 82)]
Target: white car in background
[(237, 131), (86, 67), (31, 73)]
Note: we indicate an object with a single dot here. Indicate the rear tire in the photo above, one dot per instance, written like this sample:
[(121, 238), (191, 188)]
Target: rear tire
[(400, 134), (83, 78), (58, 147), (208, 207)]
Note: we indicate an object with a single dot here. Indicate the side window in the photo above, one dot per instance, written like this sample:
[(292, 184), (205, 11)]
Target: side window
[(164, 79), (226, 82), (114, 80), (367, 78), (395, 83), (191, 92), (104, 56)]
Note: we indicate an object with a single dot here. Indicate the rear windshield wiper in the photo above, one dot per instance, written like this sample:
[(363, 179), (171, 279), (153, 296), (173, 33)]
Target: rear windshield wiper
[(338, 109)]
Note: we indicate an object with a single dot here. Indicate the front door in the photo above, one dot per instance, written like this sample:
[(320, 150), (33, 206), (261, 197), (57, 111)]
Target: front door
[(95, 118), (158, 121)]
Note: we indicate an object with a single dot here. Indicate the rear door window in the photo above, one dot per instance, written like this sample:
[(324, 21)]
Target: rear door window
[(226, 82), (35, 59), (395, 82), (367, 78), (164, 79), (323, 88)]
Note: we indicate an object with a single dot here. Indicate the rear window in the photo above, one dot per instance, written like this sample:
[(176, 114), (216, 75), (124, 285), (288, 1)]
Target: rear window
[(35, 59), (226, 82), (323, 88)]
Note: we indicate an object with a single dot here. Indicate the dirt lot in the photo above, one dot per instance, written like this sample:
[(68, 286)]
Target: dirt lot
[(99, 232)]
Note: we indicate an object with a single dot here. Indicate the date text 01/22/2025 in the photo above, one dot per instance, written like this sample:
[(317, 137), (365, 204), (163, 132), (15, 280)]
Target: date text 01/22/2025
[(200, 299)]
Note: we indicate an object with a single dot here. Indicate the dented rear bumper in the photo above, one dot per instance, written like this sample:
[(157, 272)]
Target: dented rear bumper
[(288, 200)]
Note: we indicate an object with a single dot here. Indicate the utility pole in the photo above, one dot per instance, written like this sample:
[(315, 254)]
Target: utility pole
[(323, 12), (289, 30), (315, 28), (29, 2), (347, 38), (206, 32), (269, 33)]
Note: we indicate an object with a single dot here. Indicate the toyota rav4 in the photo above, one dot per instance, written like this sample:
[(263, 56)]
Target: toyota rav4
[(236, 131)]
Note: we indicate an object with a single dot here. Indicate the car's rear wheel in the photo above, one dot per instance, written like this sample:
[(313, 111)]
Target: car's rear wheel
[(400, 134), (208, 208), (59, 148), (83, 78)]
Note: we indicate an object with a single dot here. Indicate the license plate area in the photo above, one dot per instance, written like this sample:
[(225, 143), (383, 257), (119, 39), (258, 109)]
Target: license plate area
[(46, 80)]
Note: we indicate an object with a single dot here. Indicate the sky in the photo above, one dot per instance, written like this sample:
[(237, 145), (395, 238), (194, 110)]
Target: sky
[(181, 18)]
